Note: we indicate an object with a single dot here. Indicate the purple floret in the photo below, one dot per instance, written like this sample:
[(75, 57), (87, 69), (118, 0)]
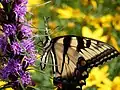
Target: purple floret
[(9, 29)]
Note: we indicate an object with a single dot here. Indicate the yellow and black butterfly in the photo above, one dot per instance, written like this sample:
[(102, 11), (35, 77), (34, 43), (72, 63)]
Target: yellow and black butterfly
[(72, 56)]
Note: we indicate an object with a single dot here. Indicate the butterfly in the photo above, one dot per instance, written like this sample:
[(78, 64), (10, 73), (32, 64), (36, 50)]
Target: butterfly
[(72, 57)]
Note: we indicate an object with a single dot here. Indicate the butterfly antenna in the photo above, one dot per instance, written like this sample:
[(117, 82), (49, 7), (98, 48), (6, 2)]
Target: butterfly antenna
[(60, 28), (47, 37), (47, 28), (53, 31)]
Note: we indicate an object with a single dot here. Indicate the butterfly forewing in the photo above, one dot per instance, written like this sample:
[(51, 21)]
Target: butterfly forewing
[(67, 50)]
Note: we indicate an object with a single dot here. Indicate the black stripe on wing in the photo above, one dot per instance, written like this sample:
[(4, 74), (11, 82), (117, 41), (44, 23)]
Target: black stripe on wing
[(66, 45), (80, 44), (102, 57)]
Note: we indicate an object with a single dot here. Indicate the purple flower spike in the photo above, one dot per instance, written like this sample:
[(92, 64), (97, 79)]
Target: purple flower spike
[(30, 49), (26, 31), (9, 29), (26, 78), (28, 45), (12, 68), (30, 59), (3, 44), (20, 10), (16, 44), (16, 48)]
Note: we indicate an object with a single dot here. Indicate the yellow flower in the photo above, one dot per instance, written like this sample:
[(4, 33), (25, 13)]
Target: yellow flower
[(1, 5), (116, 22), (114, 43), (31, 69), (110, 85), (32, 8), (116, 83), (52, 25), (90, 2), (32, 3), (68, 12), (71, 24), (2, 83), (94, 4), (38, 56), (97, 76), (85, 2), (101, 22), (97, 34), (34, 21), (65, 13), (106, 20), (96, 23), (9, 89), (36, 2), (105, 85)]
